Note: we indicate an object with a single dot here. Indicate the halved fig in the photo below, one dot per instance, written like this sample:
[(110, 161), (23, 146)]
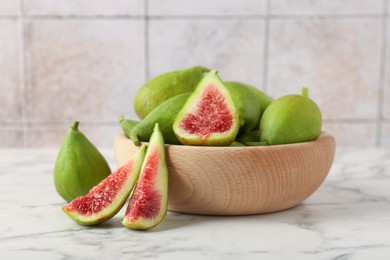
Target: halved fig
[(148, 203), (105, 199), (209, 116)]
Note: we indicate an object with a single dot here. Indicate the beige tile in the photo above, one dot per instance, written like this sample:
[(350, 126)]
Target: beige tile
[(11, 97), (352, 134), (385, 134), (386, 89), (11, 136), (9, 7), (47, 135), (86, 70), (102, 136), (206, 7), (325, 7), (85, 7), (236, 51), (338, 59)]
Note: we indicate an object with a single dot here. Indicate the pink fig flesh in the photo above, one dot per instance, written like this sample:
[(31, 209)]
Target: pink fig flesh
[(146, 201), (211, 115), (148, 204)]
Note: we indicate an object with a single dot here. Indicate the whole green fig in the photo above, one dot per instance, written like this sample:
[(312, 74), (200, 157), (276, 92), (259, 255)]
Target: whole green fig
[(247, 104), (291, 119), (164, 114), (79, 165), (162, 87)]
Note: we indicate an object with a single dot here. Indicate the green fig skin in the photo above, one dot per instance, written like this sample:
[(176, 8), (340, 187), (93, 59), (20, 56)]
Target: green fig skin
[(164, 114), (127, 125), (251, 136), (291, 119), (247, 104), (256, 144), (79, 165), (236, 144), (150, 196), (164, 86), (263, 98), (192, 108)]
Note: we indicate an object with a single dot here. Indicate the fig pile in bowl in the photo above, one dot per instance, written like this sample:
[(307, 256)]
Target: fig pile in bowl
[(217, 113)]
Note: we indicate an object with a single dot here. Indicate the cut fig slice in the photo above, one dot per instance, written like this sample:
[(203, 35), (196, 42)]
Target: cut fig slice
[(209, 116), (148, 204), (105, 199)]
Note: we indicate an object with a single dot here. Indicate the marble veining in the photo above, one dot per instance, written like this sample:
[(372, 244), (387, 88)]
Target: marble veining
[(348, 217)]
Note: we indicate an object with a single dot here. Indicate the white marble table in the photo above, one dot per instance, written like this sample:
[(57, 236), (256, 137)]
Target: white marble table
[(347, 218)]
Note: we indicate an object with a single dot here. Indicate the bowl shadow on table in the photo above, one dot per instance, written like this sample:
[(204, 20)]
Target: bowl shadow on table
[(181, 220), (177, 220), (330, 201)]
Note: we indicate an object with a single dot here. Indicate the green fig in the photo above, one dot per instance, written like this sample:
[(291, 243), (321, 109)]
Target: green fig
[(163, 114), (106, 199), (263, 98), (149, 201), (256, 143), (251, 136), (164, 86), (236, 144), (127, 125), (209, 116), (291, 119), (79, 165), (247, 104)]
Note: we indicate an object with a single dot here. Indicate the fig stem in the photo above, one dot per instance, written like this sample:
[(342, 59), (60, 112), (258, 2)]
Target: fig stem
[(75, 126), (121, 118), (305, 92), (134, 137)]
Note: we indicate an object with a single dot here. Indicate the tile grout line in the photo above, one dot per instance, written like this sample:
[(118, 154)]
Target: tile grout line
[(325, 16), (146, 40), (23, 74), (84, 17), (264, 86), (195, 17), (382, 76)]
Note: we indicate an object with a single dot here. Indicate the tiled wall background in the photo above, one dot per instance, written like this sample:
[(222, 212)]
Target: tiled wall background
[(66, 59)]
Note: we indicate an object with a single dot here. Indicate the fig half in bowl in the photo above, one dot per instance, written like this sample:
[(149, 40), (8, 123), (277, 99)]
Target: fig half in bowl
[(241, 180)]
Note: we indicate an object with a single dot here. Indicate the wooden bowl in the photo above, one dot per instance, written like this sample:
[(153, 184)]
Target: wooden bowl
[(241, 180)]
